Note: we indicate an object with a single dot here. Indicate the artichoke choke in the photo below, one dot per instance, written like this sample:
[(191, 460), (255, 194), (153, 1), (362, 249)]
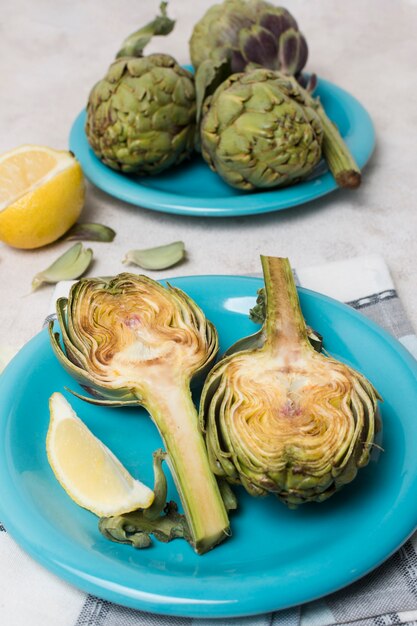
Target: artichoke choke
[(281, 417), (130, 341)]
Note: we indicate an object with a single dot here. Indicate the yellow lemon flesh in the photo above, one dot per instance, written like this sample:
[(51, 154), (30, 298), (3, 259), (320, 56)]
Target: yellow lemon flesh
[(88, 471), (42, 194)]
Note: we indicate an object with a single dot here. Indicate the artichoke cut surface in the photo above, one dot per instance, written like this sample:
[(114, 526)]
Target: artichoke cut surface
[(131, 341), (283, 418)]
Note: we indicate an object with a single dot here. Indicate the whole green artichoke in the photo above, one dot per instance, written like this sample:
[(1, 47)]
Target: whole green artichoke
[(261, 129), (249, 33), (258, 131), (141, 116)]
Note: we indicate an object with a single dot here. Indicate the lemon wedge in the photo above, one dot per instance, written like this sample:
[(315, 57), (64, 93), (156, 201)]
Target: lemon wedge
[(42, 194), (88, 471)]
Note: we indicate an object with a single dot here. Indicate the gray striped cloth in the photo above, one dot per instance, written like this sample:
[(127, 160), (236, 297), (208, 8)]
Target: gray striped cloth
[(32, 596)]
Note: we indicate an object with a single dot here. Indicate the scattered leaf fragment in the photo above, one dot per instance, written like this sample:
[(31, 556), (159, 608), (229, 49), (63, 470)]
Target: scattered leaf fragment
[(159, 258), (90, 232), (70, 265), (161, 519)]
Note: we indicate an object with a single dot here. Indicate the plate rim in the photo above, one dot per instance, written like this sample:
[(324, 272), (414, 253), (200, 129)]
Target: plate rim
[(206, 608), (254, 203)]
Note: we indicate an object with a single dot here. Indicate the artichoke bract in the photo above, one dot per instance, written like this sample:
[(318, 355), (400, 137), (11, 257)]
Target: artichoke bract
[(130, 341), (249, 33), (261, 129), (141, 115), (283, 418)]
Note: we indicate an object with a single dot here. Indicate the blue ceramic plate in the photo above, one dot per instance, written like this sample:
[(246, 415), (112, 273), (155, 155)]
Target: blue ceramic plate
[(276, 557), (193, 189)]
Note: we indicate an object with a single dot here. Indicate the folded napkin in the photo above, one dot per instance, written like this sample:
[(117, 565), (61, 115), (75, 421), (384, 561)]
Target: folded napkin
[(31, 595)]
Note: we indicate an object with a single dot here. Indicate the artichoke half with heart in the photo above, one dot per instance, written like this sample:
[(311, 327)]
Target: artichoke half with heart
[(130, 341), (281, 417), (261, 129), (141, 115)]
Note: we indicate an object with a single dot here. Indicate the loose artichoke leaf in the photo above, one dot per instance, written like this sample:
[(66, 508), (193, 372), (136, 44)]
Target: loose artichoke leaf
[(70, 265), (210, 74), (90, 232), (161, 520), (135, 529), (159, 258), (135, 43)]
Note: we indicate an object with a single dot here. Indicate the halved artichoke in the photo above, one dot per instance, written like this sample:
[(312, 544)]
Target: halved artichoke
[(130, 341), (282, 417)]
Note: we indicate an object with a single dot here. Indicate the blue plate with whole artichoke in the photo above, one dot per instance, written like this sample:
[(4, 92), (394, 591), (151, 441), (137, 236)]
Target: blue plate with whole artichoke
[(242, 134), (192, 188)]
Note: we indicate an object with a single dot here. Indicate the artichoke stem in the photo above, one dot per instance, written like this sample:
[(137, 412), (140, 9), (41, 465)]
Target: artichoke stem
[(134, 45), (340, 161), (284, 324), (176, 418)]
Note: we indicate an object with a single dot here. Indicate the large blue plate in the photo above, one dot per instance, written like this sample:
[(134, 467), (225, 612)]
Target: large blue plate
[(193, 189), (276, 557)]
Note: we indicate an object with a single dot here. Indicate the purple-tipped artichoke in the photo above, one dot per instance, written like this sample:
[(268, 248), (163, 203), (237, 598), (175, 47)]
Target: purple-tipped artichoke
[(250, 33)]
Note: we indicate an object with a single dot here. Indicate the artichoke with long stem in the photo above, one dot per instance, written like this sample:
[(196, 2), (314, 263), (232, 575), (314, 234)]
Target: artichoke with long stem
[(261, 129), (130, 341), (283, 418), (141, 115)]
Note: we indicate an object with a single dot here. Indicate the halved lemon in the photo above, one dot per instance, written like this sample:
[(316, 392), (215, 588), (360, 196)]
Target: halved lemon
[(42, 194), (88, 471)]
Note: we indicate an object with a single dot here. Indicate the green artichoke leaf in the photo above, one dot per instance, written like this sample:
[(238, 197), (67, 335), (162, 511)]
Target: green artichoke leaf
[(90, 232), (161, 520), (158, 258), (134, 44), (209, 75), (69, 266), (136, 529)]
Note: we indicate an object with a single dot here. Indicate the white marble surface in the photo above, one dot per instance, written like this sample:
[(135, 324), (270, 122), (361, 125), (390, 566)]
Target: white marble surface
[(51, 54)]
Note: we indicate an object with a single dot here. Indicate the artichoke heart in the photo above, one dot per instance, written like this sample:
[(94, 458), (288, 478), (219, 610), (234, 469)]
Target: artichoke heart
[(283, 418), (128, 340)]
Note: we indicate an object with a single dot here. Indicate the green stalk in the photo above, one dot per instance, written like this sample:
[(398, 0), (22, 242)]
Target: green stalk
[(341, 163), (284, 324), (134, 45), (176, 418)]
